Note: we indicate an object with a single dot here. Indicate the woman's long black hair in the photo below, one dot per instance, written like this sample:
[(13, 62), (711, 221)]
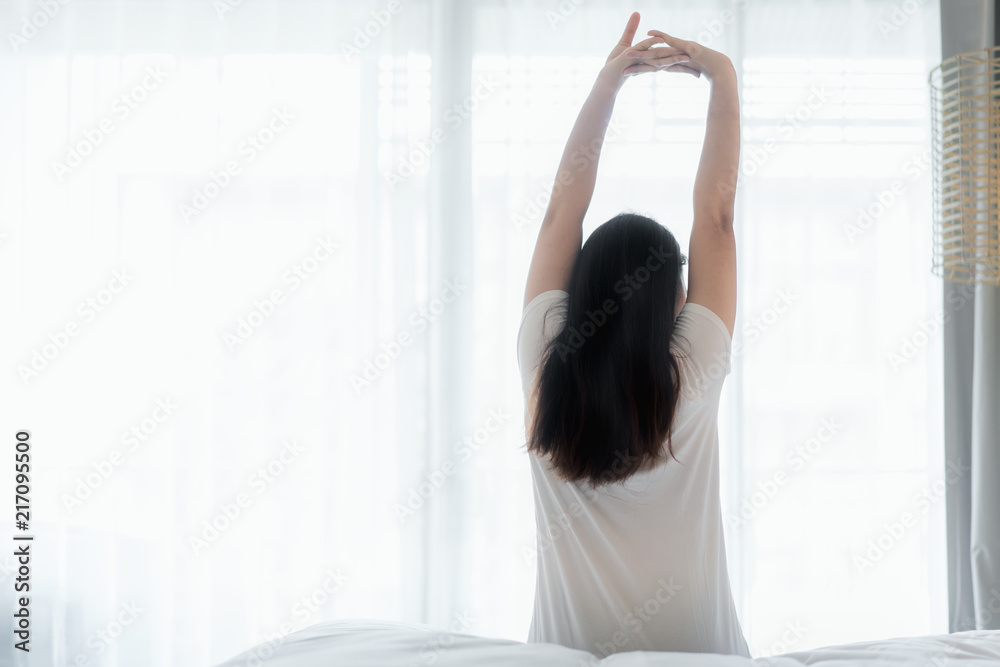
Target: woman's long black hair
[(608, 385)]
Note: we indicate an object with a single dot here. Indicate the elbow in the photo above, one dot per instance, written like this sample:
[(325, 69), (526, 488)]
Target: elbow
[(725, 220), (719, 219), (717, 208)]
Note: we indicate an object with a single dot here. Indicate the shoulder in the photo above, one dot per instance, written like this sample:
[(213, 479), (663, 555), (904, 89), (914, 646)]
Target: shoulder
[(702, 343), (698, 319), (541, 320), (544, 301)]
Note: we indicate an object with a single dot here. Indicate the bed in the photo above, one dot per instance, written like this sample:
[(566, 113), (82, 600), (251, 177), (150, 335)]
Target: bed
[(372, 643)]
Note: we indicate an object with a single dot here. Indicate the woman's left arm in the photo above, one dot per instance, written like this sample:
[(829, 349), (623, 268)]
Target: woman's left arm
[(561, 232)]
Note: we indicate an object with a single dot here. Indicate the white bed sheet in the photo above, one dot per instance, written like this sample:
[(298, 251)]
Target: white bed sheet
[(374, 643)]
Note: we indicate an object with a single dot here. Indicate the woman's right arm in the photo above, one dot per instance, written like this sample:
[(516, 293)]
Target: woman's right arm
[(712, 252)]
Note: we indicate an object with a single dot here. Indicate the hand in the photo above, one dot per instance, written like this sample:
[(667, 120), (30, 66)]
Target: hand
[(702, 60), (619, 66)]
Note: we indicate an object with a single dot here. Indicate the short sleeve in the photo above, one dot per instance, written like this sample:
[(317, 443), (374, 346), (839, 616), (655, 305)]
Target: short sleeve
[(541, 320), (704, 344)]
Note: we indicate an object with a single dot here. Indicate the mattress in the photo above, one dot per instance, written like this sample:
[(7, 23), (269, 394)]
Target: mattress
[(374, 643)]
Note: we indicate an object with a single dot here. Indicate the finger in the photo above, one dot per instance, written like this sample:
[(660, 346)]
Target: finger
[(683, 69), (692, 48), (670, 60), (645, 44), (649, 54), (630, 28), (642, 46), (632, 70), (664, 63), (638, 69), (669, 39), (665, 60)]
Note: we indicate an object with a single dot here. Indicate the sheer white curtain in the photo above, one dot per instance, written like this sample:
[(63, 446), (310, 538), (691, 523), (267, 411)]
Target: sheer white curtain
[(831, 419), (271, 258)]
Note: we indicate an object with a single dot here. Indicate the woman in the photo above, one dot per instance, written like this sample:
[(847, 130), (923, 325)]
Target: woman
[(622, 373)]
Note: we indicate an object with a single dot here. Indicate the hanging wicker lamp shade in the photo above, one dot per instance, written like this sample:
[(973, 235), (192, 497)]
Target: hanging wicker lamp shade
[(965, 138)]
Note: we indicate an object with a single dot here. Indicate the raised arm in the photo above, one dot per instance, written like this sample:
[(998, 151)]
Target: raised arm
[(561, 232), (712, 252)]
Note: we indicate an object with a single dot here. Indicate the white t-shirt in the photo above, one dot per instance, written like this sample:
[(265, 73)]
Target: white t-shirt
[(638, 565)]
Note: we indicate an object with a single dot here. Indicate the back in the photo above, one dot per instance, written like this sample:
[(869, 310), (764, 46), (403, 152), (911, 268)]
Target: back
[(639, 565)]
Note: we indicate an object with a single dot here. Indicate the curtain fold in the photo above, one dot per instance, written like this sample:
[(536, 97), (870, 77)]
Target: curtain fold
[(984, 542), (972, 397)]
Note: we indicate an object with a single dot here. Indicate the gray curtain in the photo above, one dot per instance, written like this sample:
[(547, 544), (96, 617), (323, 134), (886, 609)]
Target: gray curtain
[(972, 398)]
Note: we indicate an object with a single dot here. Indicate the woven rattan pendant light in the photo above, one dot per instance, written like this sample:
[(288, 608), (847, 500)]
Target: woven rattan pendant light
[(965, 137)]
